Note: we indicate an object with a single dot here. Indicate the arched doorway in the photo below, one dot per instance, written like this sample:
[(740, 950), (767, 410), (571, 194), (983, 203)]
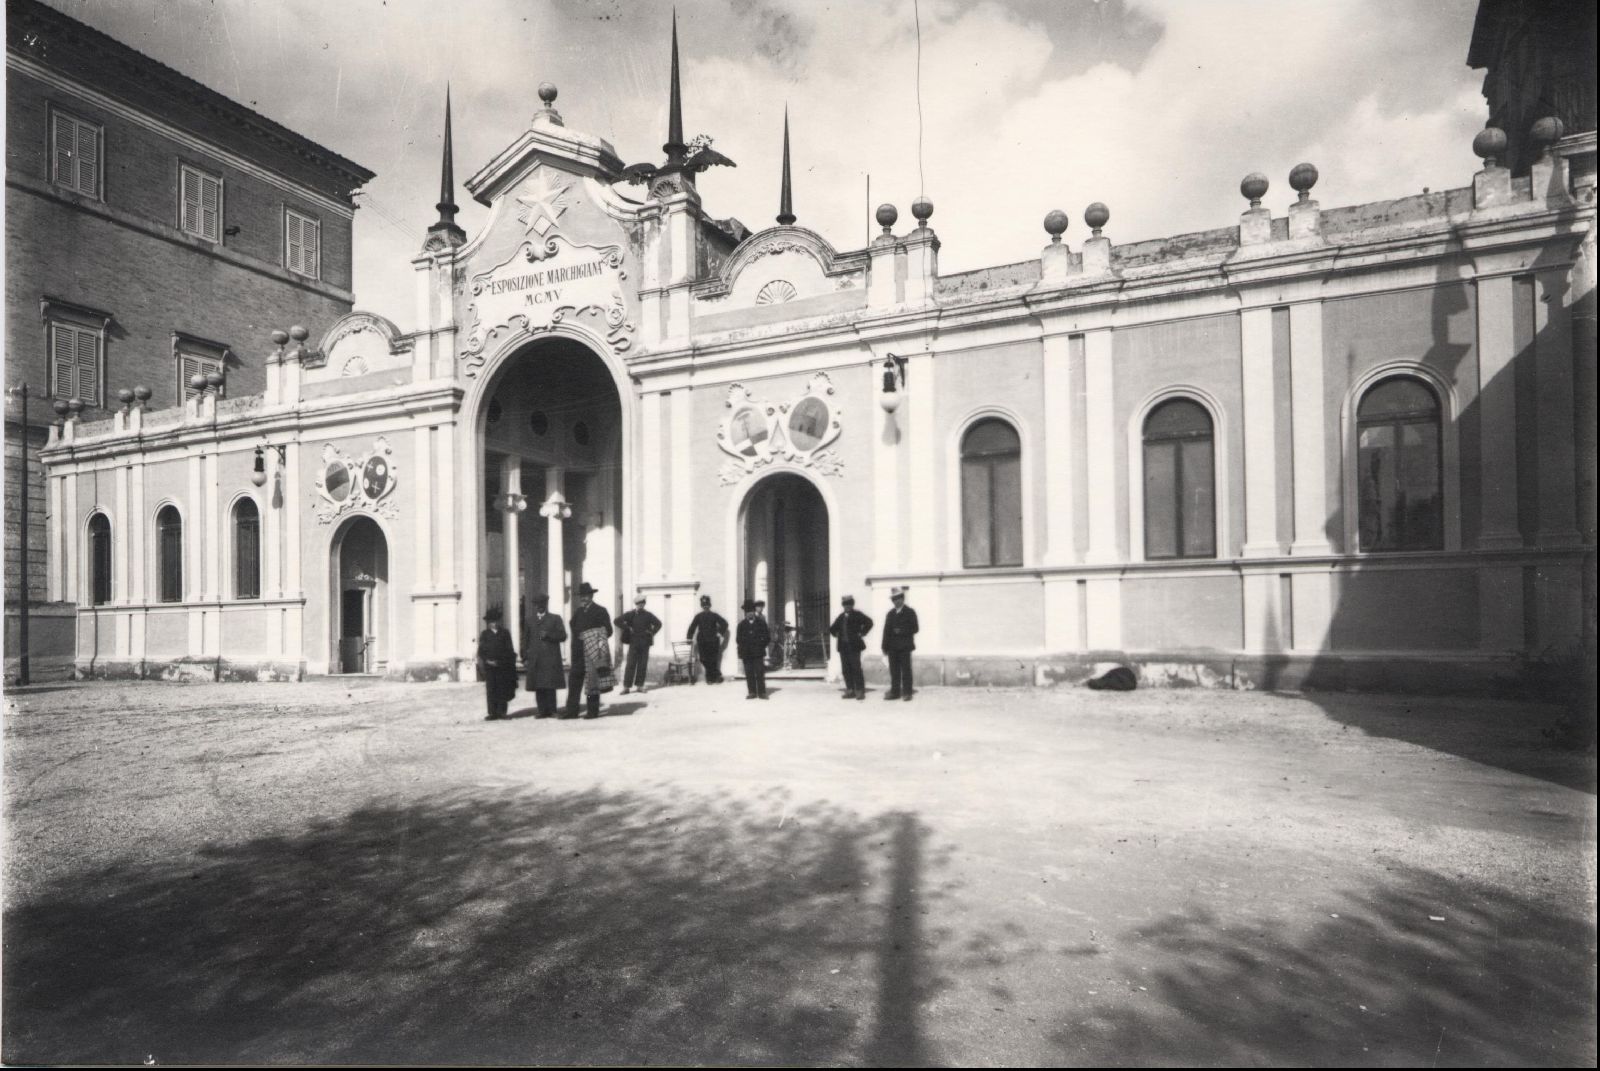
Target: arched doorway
[(551, 425), (784, 541), (359, 609)]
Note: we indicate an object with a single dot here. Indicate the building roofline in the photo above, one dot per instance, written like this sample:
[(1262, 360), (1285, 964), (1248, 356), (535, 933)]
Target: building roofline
[(22, 15)]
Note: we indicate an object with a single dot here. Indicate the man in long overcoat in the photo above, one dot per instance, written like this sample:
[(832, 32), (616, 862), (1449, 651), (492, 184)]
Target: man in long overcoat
[(588, 617), (639, 627), (899, 640), (541, 649), (753, 638), (850, 629), (497, 664), (709, 631)]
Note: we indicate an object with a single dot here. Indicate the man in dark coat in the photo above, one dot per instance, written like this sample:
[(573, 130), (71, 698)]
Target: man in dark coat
[(753, 638), (541, 648), (639, 627), (849, 629), (709, 631), (497, 664), (899, 640), (586, 616)]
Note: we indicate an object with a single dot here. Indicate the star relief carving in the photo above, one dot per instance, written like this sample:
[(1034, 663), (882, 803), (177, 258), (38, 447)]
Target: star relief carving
[(543, 204)]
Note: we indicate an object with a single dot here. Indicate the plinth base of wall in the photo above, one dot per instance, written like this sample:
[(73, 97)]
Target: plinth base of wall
[(189, 669)]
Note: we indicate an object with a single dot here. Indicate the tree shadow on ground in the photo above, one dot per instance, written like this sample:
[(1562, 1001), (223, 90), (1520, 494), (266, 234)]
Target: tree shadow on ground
[(1502, 736), (1376, 979), (490, 927)]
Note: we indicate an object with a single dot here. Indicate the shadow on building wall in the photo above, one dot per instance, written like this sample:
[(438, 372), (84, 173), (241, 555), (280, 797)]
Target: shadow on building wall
[(493, 927)]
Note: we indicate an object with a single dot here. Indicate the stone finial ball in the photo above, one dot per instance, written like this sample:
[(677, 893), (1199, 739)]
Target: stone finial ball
[(922, 208), (1096, 216), (1055, 222), (142, 392), (887, 215), (1302, 177), (214, 379), (124, 395), (547, 93), (279, 337), (298, 333), (1254, 187), (1490, 144), (75, 404), (60, 407), (197, 381), (1546, 131)]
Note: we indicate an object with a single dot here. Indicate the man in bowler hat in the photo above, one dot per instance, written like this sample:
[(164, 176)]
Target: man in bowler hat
[(587, 616), (541, 649), (753, 638), (709, 631), (639, 627), (850, 629), (899, 640), (497, 664)]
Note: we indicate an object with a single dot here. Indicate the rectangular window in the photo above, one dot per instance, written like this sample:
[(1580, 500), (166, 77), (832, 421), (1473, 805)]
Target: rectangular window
[(192, 364), (75, 362), (1161, 500), (74, 154), (201, 196), (302, 244)]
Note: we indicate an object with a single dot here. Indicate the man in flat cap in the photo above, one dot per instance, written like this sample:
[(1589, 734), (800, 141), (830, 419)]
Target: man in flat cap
[(850, 629), (541, 650), (709, 631), (497, 664), (899, 640), (591, 654), (753, 638), (639, 627)]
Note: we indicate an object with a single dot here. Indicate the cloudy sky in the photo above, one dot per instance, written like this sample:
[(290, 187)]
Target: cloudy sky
[(1157, 107)]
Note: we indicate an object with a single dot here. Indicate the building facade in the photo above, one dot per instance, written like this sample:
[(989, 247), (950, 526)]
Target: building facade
[(1339, 447), (114, 161)]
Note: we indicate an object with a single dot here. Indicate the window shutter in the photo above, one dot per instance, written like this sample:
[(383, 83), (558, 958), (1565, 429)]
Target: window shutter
[(191, 201), (63, 361), (292, 224), (210, 206), (64, 148), (309, 231), (88, 150), (88, 364)]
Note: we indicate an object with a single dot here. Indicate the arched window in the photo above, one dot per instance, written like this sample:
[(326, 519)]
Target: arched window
[(1399, 466), (1180, 509), (246, 550), (991, 495), (169, 555), (99, 560)]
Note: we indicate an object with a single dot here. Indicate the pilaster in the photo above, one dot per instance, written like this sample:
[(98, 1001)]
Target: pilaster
[(1309, 424), (1497, 413), (1260, 435)]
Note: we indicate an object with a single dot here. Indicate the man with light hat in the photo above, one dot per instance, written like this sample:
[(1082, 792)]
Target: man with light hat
[(849, 629), (899, 640), (639, 627)]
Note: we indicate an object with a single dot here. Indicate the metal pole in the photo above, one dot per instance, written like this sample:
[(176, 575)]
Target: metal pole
[(22, 600)]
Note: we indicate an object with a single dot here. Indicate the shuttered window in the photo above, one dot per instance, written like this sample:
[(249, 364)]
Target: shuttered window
[(302, 240), (246, 550), (1180, 514), (991, 495), (169, 555), (202, 204), (74, 362), (75, 154), (192, 364)]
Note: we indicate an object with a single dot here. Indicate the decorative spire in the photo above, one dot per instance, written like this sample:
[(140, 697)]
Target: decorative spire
[(445, 233), (674, 148), (785, 198)]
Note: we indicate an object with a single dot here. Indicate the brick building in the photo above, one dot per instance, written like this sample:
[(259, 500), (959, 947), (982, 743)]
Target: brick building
[(154, 229)]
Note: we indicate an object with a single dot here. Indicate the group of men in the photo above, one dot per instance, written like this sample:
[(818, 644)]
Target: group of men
[(591, 672)]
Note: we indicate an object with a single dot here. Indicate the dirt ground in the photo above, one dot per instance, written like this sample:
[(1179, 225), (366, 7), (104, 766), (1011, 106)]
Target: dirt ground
[(345, 871)]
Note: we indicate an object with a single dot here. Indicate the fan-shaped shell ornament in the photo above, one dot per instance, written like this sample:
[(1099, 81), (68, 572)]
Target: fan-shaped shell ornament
[(776, 292)]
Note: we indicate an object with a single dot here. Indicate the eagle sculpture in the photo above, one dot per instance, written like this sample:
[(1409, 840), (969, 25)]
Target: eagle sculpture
[(698, 157)]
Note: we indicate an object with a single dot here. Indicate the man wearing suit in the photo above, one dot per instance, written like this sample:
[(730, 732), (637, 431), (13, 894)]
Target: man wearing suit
[(849, 629), (497, 664), (639, 627), (709, 631), (753, 638), (541, 650), (899, 640), (587, 616)]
